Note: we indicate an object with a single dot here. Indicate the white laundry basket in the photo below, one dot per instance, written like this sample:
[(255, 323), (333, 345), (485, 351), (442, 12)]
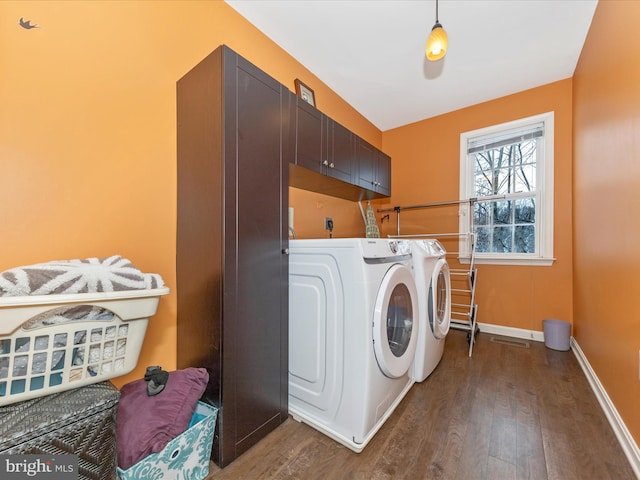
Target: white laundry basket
[(41, 352)]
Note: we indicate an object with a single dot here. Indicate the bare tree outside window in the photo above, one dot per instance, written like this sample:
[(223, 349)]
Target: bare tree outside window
[(506, 226)]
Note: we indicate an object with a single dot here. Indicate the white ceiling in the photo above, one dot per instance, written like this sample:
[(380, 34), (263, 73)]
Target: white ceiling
[(371, 52)]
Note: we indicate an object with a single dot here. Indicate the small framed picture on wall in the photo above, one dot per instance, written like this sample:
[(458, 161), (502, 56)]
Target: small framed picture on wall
[(304, 92)]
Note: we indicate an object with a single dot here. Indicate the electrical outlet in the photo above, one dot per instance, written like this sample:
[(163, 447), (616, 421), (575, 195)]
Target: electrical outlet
[(328, 223)]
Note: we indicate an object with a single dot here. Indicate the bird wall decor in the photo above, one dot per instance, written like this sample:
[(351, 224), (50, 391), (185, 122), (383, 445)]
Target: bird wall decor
[(26, 24)]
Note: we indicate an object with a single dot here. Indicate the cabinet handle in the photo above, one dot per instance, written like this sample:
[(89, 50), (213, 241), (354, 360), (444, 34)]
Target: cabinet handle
[(331, 165), (325, 163), (285, 251)]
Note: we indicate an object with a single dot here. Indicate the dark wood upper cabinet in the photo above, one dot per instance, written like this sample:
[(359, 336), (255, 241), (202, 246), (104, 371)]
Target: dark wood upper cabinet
[(235, 142), (327, 159), (340, 159), (384, 174), (374, 168), (323, 145), (311, 136)]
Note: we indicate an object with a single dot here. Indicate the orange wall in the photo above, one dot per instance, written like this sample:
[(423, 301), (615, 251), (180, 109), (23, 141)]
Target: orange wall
[(310, 210), (426, 165), (607, 203), (88, 161), (88, 132)]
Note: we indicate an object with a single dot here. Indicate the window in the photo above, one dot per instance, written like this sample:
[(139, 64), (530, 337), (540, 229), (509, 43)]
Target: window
[(506, 173)]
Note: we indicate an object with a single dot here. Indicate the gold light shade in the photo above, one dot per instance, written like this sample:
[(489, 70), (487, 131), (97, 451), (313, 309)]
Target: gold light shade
[(437, 43)]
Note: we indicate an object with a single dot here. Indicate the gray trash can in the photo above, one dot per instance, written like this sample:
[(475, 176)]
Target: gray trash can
[(557, 334)]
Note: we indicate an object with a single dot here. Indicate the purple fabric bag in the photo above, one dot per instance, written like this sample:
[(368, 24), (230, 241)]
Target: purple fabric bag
[(145, 424)]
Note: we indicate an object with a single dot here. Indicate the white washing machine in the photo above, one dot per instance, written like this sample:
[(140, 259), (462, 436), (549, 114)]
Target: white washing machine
[(433, 281), (353, 329)]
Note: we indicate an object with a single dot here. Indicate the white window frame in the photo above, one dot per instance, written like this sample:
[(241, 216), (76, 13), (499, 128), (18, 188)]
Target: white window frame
[(544, 195)]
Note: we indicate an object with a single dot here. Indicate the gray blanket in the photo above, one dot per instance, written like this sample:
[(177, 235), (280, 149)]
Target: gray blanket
[(76, 276)]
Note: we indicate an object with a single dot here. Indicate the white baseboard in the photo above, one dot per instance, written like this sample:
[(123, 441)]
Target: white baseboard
[(511, 332), (627, 442)]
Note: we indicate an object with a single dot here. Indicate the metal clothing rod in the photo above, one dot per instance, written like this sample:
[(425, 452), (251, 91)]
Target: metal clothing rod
[(426, 205), (441, 204), (471, 201), (431, 235)]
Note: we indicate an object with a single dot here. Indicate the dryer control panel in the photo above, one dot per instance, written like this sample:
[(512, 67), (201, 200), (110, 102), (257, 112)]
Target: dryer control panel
[(381, 249), (432, 247)]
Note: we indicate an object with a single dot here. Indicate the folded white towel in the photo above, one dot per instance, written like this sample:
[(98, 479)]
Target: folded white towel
[(77, 276)]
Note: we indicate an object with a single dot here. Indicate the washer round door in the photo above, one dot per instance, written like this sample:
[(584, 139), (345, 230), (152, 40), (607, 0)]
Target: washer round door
[(395, 322), (439, 307)]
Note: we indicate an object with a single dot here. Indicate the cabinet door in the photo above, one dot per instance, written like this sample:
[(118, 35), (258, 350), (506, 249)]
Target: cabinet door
[(255, 313), (367, 158), (341, 152), (311, 143), (383, 174), (374, 168)]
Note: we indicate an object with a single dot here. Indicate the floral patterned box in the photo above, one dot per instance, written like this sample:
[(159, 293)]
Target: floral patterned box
[(186, 457)]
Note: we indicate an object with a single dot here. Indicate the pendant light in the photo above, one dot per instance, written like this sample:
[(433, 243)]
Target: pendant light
[(437, 42)]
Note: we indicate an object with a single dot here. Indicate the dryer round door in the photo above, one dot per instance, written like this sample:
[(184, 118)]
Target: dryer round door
[(439, 307), (395, 322)]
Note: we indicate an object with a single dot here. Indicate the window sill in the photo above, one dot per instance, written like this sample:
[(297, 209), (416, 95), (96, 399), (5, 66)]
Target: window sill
[(527, 261)]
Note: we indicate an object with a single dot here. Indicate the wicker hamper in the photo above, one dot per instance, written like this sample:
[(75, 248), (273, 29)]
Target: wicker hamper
[(79, 421)]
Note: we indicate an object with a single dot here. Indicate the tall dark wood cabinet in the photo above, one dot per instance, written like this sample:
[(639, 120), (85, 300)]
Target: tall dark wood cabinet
[(234, 147)]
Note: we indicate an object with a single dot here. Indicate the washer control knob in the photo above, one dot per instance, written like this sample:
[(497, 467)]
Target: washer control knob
[(404, 247)]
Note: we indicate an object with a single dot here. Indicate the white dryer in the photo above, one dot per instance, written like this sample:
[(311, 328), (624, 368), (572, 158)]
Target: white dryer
[(353, 328), (433, 281)]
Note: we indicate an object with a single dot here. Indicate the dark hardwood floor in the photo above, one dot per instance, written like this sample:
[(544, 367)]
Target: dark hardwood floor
[(509, 412)]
